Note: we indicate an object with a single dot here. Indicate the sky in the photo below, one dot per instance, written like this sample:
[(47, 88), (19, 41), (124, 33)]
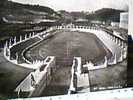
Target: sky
[(78, 5)]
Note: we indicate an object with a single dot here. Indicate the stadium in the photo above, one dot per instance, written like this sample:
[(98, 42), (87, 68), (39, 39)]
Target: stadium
[(62, 57)]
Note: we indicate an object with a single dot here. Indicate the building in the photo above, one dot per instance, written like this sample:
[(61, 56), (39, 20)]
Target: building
[(81, 20), (115, 24), (123, 20), (130, 26)]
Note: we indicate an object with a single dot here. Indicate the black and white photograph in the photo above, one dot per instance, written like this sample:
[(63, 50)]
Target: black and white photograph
[(66, 49)]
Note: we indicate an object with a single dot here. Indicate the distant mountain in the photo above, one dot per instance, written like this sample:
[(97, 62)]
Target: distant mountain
[(105, 14)]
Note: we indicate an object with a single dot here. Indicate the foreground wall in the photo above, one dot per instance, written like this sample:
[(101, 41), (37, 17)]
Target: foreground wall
[(118, 94)]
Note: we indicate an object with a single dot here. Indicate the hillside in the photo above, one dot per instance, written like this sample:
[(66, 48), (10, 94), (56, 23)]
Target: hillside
[(105, 14), (13, 11)]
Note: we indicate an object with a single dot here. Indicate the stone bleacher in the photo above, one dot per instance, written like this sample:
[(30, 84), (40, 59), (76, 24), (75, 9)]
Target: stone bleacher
[(17, 49)]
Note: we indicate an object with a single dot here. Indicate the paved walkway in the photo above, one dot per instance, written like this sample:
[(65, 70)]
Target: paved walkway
[(113, 76), (83, 84), (10, 75), (60, 82)]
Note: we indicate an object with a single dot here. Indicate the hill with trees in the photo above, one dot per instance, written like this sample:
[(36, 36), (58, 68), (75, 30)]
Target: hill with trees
[(105, 14), (13, 10)]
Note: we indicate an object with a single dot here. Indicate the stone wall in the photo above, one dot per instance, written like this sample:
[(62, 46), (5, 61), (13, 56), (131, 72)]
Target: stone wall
[(37, 80)]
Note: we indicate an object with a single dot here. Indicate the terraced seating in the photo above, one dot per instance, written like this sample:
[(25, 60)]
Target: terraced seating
[(17, 49)]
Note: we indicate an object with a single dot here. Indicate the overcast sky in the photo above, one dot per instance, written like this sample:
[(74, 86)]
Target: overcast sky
[(78, 5)]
